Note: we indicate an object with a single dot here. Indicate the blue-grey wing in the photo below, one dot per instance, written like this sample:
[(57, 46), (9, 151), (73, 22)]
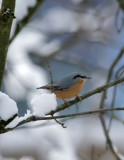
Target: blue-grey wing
[(64, 83)]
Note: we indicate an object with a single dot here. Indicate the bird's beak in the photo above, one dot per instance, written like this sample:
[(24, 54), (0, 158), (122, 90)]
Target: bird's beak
[(88, 77)]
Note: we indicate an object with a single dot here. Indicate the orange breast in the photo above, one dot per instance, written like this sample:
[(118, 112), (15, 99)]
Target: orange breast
[(71, 91)]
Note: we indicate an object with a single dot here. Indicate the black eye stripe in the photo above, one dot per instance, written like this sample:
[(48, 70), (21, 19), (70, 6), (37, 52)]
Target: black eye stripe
[(79, 76), (76, 76), (83, 77)]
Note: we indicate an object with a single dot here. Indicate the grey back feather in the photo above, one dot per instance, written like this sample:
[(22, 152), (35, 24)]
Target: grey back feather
[(63, 83)]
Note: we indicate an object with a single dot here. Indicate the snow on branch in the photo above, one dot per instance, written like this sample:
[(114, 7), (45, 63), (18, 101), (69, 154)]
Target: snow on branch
[(31, 117)]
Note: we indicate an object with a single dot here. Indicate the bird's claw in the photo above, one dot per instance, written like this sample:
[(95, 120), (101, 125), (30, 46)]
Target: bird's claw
[(66, 103), (80, 99)]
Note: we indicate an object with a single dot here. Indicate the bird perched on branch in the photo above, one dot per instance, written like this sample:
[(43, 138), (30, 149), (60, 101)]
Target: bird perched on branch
[(68, 86)]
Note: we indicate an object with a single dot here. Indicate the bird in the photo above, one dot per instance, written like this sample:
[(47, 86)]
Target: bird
[(67, 87)]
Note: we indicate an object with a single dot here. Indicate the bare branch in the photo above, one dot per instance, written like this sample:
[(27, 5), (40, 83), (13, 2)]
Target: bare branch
[(119, 29), (121, 72), (24, 21), (62, 124), (109, 142), (86, 95), (118, 75), (4, 123), (121, 4), (50, 73), (33, 118), (110, 74)]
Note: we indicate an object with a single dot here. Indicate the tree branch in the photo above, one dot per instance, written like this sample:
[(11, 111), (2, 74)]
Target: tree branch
[(121, 4), (110, 74), (118, 75), (109, 142), (33, 118), (24, 21), (4, 123)]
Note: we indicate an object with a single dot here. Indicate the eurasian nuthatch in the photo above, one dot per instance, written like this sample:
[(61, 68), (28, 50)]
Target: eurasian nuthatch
[(68, 86)]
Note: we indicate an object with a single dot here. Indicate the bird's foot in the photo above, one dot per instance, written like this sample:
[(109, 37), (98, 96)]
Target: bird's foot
[(66, 103), (80, 99)]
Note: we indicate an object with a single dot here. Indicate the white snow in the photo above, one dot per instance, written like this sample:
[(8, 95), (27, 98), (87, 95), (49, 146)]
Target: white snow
[(117, 152), (121, 156), (43, 103), (48, 142), (61, 143), (8, 107), (23, 10), (19, 119), (22, 73)]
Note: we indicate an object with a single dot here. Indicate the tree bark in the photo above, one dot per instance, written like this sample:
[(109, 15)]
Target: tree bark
[(6, 19)]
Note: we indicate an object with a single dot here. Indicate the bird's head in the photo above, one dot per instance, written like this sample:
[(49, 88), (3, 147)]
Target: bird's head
[(79, 75)]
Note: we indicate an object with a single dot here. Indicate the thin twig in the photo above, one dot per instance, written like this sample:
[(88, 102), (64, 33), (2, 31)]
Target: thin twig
[(92, 152), (110, 74), (116, 21), (50, 73), (118, 75), (120, 8), (102, 105), (62, 124), (121, 72), (112, 106), (109, 142)]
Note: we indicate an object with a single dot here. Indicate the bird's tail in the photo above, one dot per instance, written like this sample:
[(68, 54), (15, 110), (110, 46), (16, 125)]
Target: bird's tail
[(43, 87)]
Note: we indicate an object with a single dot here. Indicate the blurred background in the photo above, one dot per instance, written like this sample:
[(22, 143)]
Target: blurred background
[(75, 36)]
